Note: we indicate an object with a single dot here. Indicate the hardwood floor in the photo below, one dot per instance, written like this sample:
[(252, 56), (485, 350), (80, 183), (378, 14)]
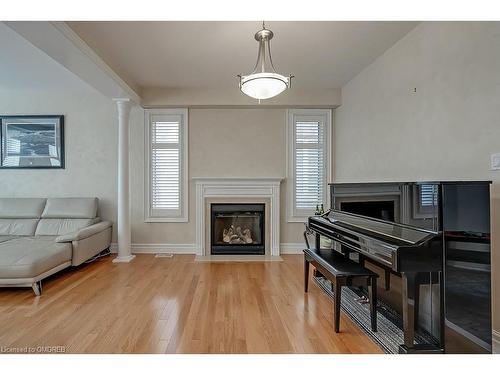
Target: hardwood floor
[(175, 305)]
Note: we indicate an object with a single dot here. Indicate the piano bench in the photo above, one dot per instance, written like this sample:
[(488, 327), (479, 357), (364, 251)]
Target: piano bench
[(341, 271)]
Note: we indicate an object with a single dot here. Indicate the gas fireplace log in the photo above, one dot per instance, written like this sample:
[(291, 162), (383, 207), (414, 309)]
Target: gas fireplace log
[(237, 236)]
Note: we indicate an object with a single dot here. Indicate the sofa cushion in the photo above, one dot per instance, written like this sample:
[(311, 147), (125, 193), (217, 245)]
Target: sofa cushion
[(18, 227), (26, 257), (76, 208), (56, 227), (21, 208), (6, 238)]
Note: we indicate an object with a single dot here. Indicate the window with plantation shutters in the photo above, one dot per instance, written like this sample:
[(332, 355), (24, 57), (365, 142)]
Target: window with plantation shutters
[(308, 161), (166, 180), (428, 195), (425, 200)]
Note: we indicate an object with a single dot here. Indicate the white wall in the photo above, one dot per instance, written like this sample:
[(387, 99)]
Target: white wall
[(222, 143), (226, 142), (224, 97), (90, 143), (31, 83), (446, 130)]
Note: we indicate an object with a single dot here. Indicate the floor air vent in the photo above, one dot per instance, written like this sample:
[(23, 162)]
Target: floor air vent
[(164, 255)]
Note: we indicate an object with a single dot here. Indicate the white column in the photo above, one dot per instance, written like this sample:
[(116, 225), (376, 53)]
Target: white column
[(124, 249)]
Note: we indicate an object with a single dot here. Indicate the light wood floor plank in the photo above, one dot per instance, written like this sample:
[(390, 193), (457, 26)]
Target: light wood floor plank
[(176, 305)]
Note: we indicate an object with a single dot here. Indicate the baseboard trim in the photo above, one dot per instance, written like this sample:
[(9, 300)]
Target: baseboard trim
[(496, 342), (291, 248), (190, 248), (155, 248)]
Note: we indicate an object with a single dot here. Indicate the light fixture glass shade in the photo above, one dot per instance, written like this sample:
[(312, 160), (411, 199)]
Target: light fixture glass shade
[(263, 85), (264, 82)]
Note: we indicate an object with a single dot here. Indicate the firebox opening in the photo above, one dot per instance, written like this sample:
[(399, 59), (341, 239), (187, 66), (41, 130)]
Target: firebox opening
[(377, 209), (237, 228)]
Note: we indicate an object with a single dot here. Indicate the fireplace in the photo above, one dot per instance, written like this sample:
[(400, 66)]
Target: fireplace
[(237, 228), (383, 209)]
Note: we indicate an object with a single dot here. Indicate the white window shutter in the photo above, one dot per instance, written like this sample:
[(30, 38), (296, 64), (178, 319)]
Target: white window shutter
[(428, 195), (309, 164), (308, 161), (167, 166)]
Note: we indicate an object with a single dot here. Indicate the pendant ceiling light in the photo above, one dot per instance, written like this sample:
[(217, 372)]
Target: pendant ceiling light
[(264, 82)]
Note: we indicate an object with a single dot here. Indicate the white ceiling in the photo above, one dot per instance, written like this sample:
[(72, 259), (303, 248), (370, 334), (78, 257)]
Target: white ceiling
[(211, 54)]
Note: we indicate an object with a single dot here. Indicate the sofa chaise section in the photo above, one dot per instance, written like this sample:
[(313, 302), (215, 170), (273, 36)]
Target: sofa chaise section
[(39, 237), (25, 261)]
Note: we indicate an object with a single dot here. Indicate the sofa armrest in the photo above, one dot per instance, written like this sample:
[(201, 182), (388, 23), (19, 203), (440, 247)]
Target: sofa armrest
[(84, 232)]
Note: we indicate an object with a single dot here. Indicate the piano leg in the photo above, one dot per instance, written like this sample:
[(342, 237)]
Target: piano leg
[(361, 260), (411, 295), (317, 243), (387, 279), (416, 302), (408, 283), (306, 275), (338, 294), (372, 295)]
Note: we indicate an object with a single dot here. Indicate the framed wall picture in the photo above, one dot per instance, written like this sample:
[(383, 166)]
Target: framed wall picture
[(32, 142)]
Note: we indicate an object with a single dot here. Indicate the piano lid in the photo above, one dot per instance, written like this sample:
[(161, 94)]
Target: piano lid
[(395, 233)]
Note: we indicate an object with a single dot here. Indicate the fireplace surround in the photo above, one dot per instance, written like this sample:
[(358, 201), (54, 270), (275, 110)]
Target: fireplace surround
[(238, 190)]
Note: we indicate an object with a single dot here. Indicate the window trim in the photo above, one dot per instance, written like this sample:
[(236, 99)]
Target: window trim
[(291, 214), (184, 181)]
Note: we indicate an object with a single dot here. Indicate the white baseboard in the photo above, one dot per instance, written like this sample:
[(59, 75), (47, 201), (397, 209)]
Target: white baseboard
[(154, 248), (496, 342), (190, 248), (291, 248)]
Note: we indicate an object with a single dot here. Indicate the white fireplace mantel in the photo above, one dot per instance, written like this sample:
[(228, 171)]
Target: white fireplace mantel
[(227, 187)]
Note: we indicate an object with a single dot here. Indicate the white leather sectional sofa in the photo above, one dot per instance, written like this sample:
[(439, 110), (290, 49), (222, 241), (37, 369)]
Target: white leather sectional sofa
[(39, 237)]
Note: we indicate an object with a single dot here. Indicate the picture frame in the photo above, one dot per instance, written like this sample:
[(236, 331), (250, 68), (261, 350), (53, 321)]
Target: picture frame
[(32, 142)]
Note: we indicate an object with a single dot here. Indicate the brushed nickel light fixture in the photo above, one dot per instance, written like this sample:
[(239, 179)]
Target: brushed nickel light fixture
[(264, 82)]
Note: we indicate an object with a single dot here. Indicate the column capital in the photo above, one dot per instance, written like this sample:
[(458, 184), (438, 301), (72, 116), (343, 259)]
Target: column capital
[(123, 105)]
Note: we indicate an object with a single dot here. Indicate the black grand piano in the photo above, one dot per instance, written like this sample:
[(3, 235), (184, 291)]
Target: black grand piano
[(434, 237)]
